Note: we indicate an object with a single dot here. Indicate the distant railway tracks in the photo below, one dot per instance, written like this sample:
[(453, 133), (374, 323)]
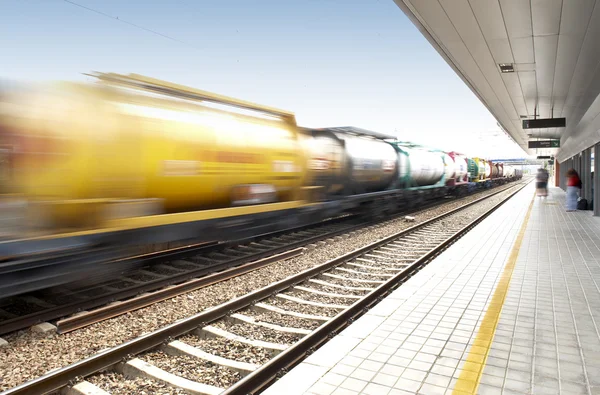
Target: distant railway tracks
[(240, 346), (168, 274)]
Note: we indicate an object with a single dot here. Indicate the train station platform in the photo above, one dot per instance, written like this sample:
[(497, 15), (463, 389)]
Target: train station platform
[(511, 308)]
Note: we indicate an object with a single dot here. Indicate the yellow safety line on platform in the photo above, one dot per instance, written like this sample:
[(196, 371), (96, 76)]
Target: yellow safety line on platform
[(469, 378)]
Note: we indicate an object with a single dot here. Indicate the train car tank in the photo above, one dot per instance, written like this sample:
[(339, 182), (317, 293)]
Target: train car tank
[(518, 173), (473, 169), (494, 170), (419, 167), (484, 169), (450, 168), (82, 148), (500, 167), (509, 171), (461, 169), (348, 160)]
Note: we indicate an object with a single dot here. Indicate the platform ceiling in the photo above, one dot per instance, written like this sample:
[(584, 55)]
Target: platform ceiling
[(554, 47)]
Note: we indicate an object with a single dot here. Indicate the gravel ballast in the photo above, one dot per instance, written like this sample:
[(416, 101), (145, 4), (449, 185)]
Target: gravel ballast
[(30, 355)]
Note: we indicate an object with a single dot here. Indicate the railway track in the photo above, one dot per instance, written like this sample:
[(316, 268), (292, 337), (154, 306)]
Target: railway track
[(240, 346), (170, 273), (173, 267)]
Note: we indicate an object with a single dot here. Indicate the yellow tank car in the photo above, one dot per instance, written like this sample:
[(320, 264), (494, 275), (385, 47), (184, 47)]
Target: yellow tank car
[(133, 145)]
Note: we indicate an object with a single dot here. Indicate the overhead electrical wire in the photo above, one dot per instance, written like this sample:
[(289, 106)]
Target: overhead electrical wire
[(127, 22)]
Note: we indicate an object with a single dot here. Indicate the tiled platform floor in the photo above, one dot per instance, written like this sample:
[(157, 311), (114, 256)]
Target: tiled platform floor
[(547, 340), (421, 338)]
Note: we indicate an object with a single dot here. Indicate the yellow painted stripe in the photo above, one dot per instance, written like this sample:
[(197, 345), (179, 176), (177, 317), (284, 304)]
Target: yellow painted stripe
[(469, 378)]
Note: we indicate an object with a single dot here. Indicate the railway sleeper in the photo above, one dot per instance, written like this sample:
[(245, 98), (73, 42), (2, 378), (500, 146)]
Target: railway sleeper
[(220, 256), (238, 318), (204, 261), (168, 267), (363, 273), (399, 262), (412, 246), (384, 254), (349, 288), (358, 280), (148, 273), (138, 368), (311, 303), (186, 265), (372, 267), (250, 250), (364, 260), (179, 348), (317, 292), (211, 332), (234, 251), (268, 244), (267, 308)]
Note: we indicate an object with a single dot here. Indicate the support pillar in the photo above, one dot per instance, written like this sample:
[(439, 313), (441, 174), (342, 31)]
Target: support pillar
[(596, 178), (562, 170), (586, 172)]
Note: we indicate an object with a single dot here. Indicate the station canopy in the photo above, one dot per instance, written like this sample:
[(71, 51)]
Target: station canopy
[(525, 60)]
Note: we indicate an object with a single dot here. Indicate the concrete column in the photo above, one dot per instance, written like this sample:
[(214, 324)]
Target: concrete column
[(562, 170), (596, 183), (584, 173), (563, 179), (587, 171)]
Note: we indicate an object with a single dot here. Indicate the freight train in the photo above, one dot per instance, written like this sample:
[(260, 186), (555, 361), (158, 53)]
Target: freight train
[(92, 173)]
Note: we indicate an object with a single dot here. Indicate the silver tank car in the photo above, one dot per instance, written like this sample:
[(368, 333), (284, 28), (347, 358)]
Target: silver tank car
[(451, 168), (509, 171), (461, 166), (348, 160), (418, 167)]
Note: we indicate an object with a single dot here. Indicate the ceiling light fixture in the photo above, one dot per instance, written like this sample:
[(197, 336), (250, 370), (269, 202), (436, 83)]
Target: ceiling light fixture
[(507, 67)]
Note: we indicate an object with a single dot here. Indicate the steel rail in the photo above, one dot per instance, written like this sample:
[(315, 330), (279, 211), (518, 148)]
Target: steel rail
[(110, 311), (25, 321), (224, 271), (267, 373), (62, 377)]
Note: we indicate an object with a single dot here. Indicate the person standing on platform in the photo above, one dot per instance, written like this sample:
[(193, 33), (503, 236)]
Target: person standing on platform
[(542, 182), (573, 187)]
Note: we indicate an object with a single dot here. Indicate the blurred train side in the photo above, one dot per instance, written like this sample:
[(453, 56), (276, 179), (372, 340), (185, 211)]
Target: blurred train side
[(134, 161)]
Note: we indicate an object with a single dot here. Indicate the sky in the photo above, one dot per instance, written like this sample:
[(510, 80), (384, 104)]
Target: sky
[(332, 62)]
